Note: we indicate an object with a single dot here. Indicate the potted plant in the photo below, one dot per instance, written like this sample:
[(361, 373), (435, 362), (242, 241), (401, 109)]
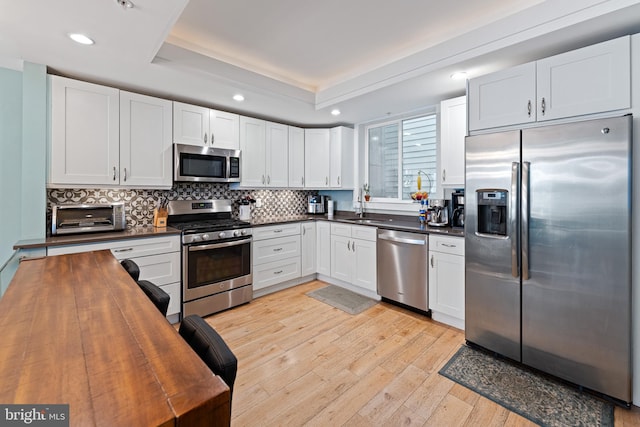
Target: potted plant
[(367, 196)]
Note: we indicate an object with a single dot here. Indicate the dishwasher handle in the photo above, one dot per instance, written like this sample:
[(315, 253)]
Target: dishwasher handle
[(388, 237)]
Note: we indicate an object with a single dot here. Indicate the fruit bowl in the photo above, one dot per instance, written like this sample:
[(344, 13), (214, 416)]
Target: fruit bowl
[(420, 195)]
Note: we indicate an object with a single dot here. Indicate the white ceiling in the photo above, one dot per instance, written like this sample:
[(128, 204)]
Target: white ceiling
[(295, 60)]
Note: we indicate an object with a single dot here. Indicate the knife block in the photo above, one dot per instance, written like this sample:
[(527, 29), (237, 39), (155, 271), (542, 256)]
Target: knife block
[(160, 217)]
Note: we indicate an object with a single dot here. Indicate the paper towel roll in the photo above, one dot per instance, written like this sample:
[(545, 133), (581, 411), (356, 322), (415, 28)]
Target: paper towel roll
[(330, 208)]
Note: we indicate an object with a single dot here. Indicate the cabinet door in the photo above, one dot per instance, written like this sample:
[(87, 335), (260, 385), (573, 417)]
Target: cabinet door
[(308, 258), (225, 129), (85, 135), (446, 284), (277, 155), (364, 271), (335, 159), (145, 141), (190, 124), (296, 157), (323, 247), (584, 81), (316, 158), (503, 98), (453, 129), (252, 144), (341, 258)]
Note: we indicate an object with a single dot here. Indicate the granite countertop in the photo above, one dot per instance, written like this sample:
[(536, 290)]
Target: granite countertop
[(74, 239), (388, 222)]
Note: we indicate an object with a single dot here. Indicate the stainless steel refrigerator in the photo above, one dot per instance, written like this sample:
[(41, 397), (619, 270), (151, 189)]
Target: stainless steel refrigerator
[(548, 249)]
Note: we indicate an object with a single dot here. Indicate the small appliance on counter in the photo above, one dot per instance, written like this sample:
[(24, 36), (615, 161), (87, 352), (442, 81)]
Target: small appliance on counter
[(457, 209), (316, 204), (439, 213), (87, 218), (245, 208)]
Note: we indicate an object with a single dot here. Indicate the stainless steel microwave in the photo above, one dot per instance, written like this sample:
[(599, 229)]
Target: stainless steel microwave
[(205, 164)]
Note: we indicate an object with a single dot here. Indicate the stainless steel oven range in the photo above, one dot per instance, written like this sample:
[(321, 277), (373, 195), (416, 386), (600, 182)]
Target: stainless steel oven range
[(216, 256)]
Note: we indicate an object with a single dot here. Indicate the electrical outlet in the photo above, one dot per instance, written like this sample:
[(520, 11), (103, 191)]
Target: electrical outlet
[(258, 203)]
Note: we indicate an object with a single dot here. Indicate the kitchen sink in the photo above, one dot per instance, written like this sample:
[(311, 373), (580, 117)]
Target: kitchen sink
[(369, 221)]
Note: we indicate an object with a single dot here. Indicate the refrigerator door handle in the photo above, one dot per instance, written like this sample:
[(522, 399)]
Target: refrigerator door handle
[(513, 218), (525, 220)]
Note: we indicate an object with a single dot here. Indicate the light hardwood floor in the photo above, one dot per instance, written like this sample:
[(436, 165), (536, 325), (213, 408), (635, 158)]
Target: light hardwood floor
[(302, 362)]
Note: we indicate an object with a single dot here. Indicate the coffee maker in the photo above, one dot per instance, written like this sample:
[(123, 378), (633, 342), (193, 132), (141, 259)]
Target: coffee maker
[(439, 213), (457, 209)]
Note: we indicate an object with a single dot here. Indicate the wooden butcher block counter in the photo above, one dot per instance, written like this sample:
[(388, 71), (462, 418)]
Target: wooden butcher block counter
[(77, 330)]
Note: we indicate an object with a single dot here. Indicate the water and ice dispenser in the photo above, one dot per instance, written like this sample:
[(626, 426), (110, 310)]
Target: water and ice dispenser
[(492, 212)]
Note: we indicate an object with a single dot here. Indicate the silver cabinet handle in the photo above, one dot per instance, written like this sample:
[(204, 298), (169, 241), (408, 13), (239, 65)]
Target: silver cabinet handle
[(277, 249), (543, 106), (114, 173), (123, 250), (447, 245), (432, 261), (125, 174), (213, 138), (348, 245), (268, 179), (529, 108), (277, 272), (444, 175), (353, 246), (338, 180), (279, 230), (304, 231), (262, 179), (326, 180), (303, 180), (513, 217), (524, 220)]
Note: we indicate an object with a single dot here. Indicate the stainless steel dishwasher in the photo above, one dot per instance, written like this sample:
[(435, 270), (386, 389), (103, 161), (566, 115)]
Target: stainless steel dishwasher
[(402, 267)]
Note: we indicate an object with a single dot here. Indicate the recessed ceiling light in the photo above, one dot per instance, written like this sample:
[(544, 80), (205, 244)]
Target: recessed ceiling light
[(238, 97), (459, 75), (335, 112), (80, 38), (126, 4)]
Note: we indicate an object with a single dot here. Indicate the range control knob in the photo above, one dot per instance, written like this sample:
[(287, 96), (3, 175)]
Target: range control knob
[(243, 232), (206, 237), (236, 233), (196, 238), (222, 235)]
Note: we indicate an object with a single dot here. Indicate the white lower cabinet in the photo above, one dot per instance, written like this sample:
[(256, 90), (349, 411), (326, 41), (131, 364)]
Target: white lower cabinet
[(353, 255), (157, 257), (446, 279), (323, 248), (276, 255), (308, 245)]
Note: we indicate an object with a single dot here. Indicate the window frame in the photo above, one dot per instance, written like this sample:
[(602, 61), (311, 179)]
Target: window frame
[(398, 201)]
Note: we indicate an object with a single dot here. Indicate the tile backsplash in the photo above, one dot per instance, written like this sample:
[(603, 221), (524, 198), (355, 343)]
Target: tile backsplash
[(139, 204)]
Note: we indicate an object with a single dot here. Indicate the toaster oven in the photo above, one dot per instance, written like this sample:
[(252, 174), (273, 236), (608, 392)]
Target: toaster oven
[(87, 218)]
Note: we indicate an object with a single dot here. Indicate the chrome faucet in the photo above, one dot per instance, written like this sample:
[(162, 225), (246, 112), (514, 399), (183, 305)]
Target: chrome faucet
[(360, 209)]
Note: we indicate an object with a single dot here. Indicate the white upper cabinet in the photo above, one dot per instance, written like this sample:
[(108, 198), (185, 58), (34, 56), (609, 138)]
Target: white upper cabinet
[(341, 158), (265, 153), (503, 98), (102, 136), (145, 140), (84, 133), (316, 157), (328, 158), (277, 158), (590, 80), (453, 129), (296, 157), (197, 125)]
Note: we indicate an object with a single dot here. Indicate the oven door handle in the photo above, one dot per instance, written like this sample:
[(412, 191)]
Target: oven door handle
[(218, 245)]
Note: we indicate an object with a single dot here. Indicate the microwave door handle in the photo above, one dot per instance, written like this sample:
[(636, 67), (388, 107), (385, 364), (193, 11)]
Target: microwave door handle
[(218, 245)]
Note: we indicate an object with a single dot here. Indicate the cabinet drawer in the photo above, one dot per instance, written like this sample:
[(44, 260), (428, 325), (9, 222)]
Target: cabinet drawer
[(275, 249), (447, 245), (159, 269), (122, 249), (173, 289), (275, 272), (364, 232), (343, 230), (261, 233)]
